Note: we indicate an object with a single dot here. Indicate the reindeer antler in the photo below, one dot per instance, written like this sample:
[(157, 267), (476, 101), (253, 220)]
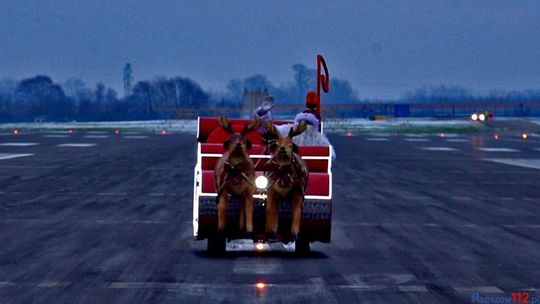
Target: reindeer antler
[(299, 129), (225, 124), (252, 127), (271, 129)]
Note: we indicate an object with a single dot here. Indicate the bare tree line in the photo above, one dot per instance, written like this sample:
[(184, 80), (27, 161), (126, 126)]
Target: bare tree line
[(39, 98)]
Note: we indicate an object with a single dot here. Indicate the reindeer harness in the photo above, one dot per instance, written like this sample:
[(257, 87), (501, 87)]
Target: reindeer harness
[(234, 174), (285, 175)]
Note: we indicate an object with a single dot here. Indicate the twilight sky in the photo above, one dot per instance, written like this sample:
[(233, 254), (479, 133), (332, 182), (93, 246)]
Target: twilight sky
[(384, 48)]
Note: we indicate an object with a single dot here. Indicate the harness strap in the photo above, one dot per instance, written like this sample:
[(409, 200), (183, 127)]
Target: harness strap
[(280, 179), (264, 153), (226, 177)]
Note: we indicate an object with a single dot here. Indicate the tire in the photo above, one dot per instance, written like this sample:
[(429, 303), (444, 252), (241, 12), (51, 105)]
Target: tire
[(302, 246), (216, 245)]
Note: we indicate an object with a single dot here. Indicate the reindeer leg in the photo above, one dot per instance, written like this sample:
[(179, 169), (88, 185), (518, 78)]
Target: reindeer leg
[(296, 214), (242, 223), (223, 201), (271, 215), (249, 213)]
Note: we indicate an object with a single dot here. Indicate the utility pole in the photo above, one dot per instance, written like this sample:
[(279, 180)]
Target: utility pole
[(128, 79)]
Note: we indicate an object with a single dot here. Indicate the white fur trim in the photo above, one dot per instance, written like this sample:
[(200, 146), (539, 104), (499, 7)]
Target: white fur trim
[(310, 118)]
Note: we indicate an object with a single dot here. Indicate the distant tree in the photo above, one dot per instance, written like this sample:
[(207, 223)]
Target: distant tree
[(440, 93), (235, 89), (8, 86), (99, 94), (177, 95), (145, 94), (304, 79), (43, 98), (190, 93), (7, 98), (287, 92), (86, 109), (341, 91), (257, 83), (111, 96), (72, 87)]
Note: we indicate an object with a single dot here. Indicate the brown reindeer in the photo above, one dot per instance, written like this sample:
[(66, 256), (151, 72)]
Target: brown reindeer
[(288, 176), (234, 175)]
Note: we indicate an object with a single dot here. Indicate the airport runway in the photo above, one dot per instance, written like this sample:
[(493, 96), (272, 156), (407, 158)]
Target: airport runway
[(104, 218)]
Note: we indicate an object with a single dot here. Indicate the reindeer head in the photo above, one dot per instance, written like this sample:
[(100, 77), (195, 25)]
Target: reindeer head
[(237, 141), (282, 148)]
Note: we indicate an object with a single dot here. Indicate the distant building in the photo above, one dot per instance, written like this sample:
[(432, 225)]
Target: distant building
[(252, 99)]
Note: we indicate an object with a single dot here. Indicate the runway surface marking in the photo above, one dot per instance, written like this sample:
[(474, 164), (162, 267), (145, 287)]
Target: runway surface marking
[(96, 136), (453, 135), (80, 193), (520, 162), (112, 193), (178, 286), (53, 284), (19, 144), (435, 225), (76, 145), (438, 149), (457, 140), (314, 286), (131, 133), (537, 149), (96, 132), (55, 136), (8, 156), (412, 288), (478, 289), (417, 139), (135, 136), (248, 265), (85, 221), (376, 139), (497, 149)]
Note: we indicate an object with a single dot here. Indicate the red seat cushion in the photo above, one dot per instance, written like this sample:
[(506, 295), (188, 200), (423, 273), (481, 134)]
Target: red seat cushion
[(219, 135)]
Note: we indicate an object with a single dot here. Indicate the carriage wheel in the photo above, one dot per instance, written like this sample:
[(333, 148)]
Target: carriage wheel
[(216, 245), (302, 246)]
